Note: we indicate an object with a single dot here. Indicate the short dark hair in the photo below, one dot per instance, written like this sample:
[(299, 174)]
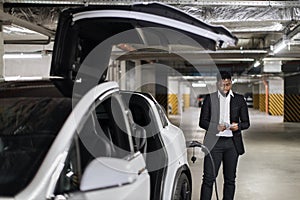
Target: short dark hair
[(223, 75)]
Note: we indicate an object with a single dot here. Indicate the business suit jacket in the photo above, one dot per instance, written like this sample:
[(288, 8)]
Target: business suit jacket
[(209, 119)]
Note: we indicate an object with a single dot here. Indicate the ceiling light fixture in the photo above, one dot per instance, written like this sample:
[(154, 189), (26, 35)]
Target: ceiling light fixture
[(14, 28), (198, 84), (256, 64), (280, 46), (22, 78)]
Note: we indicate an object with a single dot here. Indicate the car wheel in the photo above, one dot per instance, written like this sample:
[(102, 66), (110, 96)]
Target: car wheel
[(183, 188)]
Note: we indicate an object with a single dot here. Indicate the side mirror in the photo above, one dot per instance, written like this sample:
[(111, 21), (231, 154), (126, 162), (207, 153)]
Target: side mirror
[(106, 172)]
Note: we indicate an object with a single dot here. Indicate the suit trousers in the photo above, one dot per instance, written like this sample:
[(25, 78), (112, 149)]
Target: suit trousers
[(223, 152)]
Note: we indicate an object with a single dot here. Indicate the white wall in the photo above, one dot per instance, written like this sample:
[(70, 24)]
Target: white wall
[(148, 79), (172, 86), (262, 88), (242, 88), (195, 91), (276, 86), (27, 66), (255, 89)]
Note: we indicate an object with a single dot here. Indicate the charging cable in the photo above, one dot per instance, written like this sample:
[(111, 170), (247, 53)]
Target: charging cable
[(194, 144)]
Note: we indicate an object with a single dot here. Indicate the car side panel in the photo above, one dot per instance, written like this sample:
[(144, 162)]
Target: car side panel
[(175, 144), (140, 190)]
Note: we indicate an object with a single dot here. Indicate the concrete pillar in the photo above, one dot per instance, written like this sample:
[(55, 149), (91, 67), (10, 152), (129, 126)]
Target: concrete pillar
[(173, 100), (130, 76), (265, 105), (148, 79), (292, 98), (276, 96), (180, 100), (256, 96), (1, 51), (262, 96), (186, 96), (193, 96), (122, 71), (113, 71), (271, 96), (138, 76)]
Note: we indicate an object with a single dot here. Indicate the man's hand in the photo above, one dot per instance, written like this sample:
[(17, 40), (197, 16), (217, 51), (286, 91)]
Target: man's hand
[(234, 126), (221, 127)]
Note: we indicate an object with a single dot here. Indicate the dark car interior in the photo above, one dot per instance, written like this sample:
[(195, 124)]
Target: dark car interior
[(156, 155), (102, 135), (28, 127)]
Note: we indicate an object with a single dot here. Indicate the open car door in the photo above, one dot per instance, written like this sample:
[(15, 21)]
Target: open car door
[(129, 27), (93, 156)]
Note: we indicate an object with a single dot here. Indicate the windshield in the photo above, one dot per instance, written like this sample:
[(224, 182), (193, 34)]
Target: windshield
[(28, 127)]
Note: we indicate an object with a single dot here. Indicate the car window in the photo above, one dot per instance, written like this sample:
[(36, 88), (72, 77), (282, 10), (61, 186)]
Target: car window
[(70, 176), (28, 126), (162, 115), (103, 134)]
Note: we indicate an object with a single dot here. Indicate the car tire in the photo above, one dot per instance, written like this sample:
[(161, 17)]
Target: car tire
[(183, 188)]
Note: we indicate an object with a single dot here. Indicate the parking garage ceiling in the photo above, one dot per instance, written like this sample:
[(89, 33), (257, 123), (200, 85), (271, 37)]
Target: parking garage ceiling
[(260, 26)]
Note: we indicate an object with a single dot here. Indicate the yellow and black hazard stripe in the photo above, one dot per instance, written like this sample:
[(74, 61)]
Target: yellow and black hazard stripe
[(262, 102), (173, 102), (255, 101), (292, 108), (276, 104)]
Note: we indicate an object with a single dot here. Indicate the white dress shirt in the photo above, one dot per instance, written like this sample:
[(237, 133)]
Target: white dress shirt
[(225, 113)]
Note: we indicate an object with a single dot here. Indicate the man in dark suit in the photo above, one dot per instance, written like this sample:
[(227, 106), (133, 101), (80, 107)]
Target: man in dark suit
[(223, 115)]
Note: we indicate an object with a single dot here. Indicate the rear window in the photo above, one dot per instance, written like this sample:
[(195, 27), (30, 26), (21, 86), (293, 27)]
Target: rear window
[(28, 127)]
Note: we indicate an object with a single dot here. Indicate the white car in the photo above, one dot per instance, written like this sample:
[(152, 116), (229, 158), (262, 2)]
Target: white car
[(78, 136), (103, 150)]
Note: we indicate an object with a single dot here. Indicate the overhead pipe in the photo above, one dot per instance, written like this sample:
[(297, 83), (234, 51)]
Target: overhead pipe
[(29, 42), (20, 22)]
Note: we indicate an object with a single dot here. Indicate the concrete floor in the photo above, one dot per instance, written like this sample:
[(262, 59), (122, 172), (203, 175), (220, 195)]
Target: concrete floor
[(270, 168)]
